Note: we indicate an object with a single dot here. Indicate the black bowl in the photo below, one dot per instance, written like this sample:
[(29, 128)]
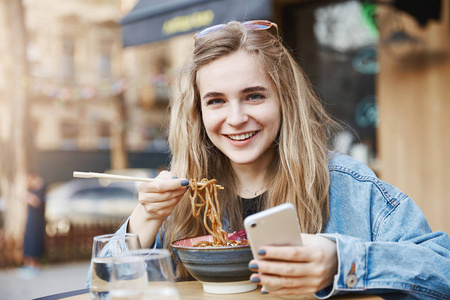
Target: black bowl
[(222, 270)]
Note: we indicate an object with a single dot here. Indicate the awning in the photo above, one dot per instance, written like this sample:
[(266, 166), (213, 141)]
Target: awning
[(154, 20)]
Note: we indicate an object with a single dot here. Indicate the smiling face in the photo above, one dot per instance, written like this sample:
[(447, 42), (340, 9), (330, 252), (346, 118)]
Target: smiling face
[(240, 108)]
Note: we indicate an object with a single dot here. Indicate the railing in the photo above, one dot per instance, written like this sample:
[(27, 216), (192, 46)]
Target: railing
[(74, 244)]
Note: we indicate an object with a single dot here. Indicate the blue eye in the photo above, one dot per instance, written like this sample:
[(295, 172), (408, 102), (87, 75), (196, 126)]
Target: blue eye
[(214, 101), (255, 97)]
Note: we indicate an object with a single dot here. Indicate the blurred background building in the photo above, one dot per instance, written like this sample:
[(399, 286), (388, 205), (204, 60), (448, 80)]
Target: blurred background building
[(100, 75), (89, 96)]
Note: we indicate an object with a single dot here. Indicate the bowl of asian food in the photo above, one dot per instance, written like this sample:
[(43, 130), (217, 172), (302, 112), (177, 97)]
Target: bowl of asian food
[(219, 260)]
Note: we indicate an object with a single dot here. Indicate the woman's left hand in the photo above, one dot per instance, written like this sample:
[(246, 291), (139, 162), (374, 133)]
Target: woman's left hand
[(298, 270)]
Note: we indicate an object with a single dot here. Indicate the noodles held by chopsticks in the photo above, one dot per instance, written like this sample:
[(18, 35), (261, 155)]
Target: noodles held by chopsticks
[(203, 195)]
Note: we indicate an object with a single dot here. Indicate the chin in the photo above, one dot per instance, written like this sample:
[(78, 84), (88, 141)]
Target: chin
[(240, 161)]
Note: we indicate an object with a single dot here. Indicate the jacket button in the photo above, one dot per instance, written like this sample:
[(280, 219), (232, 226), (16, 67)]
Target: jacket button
[(351, 280)]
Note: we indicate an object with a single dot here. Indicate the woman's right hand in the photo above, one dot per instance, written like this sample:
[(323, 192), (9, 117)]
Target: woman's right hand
[(160, 197), (157, 199)]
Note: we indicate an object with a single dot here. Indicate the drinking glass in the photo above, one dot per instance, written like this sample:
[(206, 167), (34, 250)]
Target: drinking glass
[(145, 274), (104, 248)]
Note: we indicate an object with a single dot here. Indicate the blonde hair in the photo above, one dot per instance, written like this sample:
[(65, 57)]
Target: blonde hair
[(298, 173)]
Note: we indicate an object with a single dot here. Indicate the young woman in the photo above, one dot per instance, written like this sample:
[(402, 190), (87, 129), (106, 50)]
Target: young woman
[(247, 116)]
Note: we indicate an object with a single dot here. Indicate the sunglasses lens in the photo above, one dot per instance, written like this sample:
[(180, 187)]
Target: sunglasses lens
[(252, 25), (262, 25), (259, 25), (208, 30)]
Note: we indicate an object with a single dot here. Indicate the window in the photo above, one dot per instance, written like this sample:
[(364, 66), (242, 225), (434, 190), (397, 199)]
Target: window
[(69, 135), (335, 43), (68, 60), (105, 60), (104, 135)]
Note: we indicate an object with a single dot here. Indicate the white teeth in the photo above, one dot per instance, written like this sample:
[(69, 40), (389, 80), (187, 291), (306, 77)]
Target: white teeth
[(240, 137)]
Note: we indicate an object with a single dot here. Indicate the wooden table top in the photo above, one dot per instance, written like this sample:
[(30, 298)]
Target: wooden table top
[(193, 290)]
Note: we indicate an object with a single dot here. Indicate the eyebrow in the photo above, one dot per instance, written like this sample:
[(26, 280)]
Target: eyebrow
[(254, 89), (212, 95)]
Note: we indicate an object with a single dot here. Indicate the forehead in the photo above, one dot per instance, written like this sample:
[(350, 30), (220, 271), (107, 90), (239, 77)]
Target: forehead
[(239, 70)]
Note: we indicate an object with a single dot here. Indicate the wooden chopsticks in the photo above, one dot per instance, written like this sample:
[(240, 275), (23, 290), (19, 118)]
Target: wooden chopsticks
[(110, 176), (119, 177)]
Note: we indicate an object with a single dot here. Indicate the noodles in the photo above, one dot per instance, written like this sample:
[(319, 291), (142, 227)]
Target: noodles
[(203, 195)]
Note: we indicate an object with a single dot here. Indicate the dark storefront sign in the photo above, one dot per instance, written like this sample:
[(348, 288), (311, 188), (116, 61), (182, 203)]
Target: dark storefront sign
[(58, 166), (154, 20)]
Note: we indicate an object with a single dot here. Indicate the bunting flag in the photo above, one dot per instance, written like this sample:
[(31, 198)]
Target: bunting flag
[(102, 90)]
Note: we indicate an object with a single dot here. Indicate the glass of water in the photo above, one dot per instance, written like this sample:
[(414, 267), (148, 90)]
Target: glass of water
[(145, 274), (104, 248)]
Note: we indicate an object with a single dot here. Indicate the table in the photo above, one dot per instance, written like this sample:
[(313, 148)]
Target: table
[(193, 290)]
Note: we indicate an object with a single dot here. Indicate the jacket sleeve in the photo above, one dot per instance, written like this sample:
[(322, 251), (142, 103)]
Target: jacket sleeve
[(403, 257)]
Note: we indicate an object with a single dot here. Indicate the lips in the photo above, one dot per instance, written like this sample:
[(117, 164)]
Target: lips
[(243, 136)]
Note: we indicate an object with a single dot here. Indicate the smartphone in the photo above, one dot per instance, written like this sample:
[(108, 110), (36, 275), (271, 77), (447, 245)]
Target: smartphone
[(276, 226)]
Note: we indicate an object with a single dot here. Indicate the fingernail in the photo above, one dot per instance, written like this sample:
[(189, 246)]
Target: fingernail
[(261, 252), (255, 280), (264, 292), (174, 177), (185, 182), (253, 266)]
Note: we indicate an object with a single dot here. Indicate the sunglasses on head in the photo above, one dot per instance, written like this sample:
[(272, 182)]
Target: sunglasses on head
[(252, 25)]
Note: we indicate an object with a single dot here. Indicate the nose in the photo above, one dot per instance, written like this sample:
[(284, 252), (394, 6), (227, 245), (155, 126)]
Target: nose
[(237, 115)]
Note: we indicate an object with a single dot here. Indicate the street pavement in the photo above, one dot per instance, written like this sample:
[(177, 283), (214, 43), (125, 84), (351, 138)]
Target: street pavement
[(52, 279)]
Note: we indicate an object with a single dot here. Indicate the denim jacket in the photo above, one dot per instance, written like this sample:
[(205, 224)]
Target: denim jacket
[(384, 243)]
